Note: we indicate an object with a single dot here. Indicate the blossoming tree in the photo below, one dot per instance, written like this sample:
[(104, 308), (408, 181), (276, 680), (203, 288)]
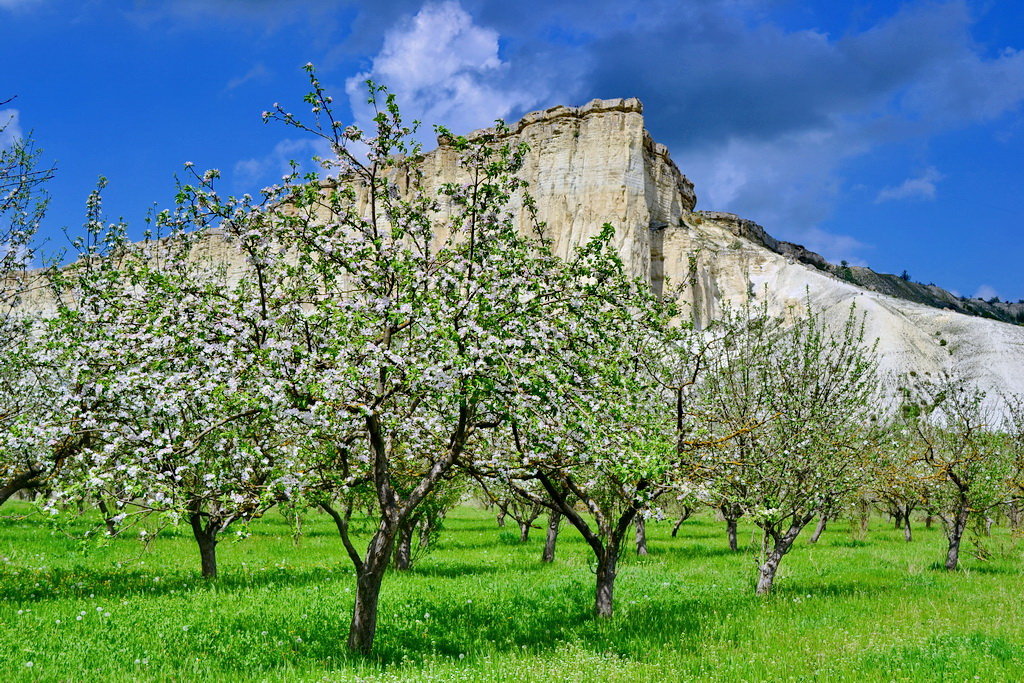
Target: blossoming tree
[(795, 398), (165, 362), (428, 319)]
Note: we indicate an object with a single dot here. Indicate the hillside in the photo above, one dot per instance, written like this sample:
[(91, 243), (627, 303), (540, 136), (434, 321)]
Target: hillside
[(597, 164)]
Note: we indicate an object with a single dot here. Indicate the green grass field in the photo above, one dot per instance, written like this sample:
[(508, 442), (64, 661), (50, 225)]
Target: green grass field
[(482, 607)]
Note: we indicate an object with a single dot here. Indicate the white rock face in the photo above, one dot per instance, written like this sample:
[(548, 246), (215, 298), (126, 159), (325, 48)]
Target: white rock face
[(597, 164)]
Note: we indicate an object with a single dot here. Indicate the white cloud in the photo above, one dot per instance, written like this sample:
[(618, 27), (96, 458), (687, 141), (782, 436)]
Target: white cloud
[(787, 184), (766, 121), (10, 128), (443, 68), (921, 187), (967, 88), (985, 292)]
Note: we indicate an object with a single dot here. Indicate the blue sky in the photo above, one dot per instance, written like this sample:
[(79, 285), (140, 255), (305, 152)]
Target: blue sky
[(884, 133)]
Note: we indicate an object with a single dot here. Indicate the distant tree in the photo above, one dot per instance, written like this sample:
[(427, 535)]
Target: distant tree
[(897, 479), (794, 398), (968, 459), (23, 202), (505, 495), (905, 276)]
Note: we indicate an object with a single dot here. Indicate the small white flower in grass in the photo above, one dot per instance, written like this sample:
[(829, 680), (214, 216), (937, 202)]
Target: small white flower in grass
[(29, 664), (185, 627)]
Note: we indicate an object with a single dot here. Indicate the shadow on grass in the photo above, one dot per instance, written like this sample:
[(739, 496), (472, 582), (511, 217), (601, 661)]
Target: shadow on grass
[(28, 585), (995, 569), (453, 570), (545, 619), (832, 588), (697, 552), (535, 624)]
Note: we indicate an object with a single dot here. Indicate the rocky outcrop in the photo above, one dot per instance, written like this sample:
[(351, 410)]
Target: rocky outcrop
[(596, 164), (900, 286), (591, 165)]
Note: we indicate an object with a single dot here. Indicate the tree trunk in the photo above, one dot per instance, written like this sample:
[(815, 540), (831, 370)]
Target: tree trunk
[(766, 573), (955, 532), (17, 483), (524, 532), (1016, 516), (730, 529), (108, 519), (864, 514), (554, 519), (908, 534), (731, 513), (641, 535), (783, 543), (603, 597), (682, 518), (502, 512), (403, 548), (928, 521), (369, 577), (820, 529), (206, 538)]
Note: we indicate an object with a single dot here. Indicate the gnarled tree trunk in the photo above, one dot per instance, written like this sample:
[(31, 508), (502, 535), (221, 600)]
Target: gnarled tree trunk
[(369, 577), (820, 529), (554, 520), (403, 547), (687, 511), (955, 527), (18, 482), (607, 562), (782, 545), (641, 535), (206, 538)]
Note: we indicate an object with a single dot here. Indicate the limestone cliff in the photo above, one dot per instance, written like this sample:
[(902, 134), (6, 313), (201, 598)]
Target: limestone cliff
[(597, 164)]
